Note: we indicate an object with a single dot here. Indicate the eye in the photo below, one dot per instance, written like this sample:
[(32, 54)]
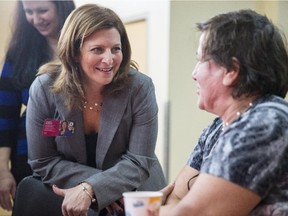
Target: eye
[(42, 11), (97, 50), (203, 60), (198, 60), (28, 12), (116, 49)]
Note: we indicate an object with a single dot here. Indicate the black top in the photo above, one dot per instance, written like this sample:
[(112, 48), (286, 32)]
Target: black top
[(91, 142)]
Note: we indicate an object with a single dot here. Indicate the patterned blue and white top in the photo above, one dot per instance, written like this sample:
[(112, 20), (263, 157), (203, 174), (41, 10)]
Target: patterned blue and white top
[(251, 152)]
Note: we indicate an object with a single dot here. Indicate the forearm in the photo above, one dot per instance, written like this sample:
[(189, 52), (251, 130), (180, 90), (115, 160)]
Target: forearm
[(111, 183), (172, 199), (7, 182), (72, 173), (166, 209), (4, 158)]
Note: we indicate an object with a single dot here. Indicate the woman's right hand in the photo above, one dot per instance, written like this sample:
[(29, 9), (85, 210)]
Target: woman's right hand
[(76, 201), (7, 189)]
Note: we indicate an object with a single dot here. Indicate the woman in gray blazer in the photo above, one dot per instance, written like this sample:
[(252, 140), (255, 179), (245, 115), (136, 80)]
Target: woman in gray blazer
[(111, 112)]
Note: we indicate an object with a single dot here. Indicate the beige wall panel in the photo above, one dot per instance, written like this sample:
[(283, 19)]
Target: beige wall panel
[(137, 33), (6, 14)]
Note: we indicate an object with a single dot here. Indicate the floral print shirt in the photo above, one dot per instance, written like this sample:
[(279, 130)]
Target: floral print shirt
[(251, 152)]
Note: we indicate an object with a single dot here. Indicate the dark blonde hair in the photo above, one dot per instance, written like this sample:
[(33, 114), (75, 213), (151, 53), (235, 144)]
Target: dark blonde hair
[(82, 22)]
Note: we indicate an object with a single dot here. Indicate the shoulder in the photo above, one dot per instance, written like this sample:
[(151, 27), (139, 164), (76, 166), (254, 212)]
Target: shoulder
[(137, 78), (267, 120), (6, 70), (43, 80), (41, 83), (6, 82), (139, 83), (272, 104), (268, 112)]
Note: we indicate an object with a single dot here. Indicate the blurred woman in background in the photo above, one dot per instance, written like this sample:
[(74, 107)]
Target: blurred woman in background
[(33, 43)]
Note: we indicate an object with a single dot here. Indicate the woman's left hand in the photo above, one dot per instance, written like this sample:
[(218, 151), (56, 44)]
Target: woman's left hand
[(166, 192), (116, 207), (76, 201)]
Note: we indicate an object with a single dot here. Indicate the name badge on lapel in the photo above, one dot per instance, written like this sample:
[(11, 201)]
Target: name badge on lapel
[(58, 128)]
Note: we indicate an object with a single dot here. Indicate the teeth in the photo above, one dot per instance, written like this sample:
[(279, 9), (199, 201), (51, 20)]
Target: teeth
[(106, 69)]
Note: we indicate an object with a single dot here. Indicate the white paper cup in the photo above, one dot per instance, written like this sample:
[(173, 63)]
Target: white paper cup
[(142, 203)]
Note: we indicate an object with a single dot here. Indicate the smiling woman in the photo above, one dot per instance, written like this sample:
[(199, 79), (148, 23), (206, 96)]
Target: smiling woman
[(240, 159), (98, 87), (42, 15), (100, 58), (35, 33)]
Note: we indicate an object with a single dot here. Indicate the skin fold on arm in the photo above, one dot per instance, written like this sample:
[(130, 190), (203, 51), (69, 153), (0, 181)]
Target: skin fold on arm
[(209, 195)]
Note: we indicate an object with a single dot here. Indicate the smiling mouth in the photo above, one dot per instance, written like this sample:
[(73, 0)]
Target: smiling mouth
[(42, 27), (105, 69)]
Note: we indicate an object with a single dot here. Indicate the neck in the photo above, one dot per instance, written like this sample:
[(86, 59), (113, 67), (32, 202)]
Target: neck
[(234, 111), (53, 45), (91, 87), (93, 94)]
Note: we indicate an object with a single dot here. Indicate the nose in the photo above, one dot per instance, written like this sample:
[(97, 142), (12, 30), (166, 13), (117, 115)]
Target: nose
[(107, 57), (35, 18), (194, 72)]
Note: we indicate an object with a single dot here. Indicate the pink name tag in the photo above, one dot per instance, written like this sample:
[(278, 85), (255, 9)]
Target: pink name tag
[(51, 127), (58, 128)]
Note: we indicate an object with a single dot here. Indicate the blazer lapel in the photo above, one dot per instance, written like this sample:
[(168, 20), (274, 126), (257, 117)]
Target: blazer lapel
[(112, 112)]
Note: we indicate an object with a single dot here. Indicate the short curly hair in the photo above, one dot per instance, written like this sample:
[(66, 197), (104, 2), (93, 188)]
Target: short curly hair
[(258, 45)]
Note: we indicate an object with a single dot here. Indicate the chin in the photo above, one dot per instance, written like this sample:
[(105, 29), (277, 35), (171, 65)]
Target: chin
[(201, 105), (106, 82), (44, 34)]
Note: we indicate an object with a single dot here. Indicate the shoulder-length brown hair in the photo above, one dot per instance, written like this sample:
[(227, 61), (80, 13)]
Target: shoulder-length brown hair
[(82, 22)]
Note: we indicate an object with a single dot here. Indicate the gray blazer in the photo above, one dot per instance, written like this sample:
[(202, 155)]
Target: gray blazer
[(125, 158)]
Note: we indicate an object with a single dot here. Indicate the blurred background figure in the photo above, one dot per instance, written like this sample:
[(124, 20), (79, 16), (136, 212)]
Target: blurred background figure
[(36, 29)]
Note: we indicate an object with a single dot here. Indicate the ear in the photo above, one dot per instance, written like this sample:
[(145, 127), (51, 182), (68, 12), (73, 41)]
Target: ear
[(231, 74)]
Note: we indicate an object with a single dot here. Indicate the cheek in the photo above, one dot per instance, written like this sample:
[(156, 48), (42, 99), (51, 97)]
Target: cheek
[(202, 77), (53, 16), (119, 58), (29, 19), (89, 60)]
